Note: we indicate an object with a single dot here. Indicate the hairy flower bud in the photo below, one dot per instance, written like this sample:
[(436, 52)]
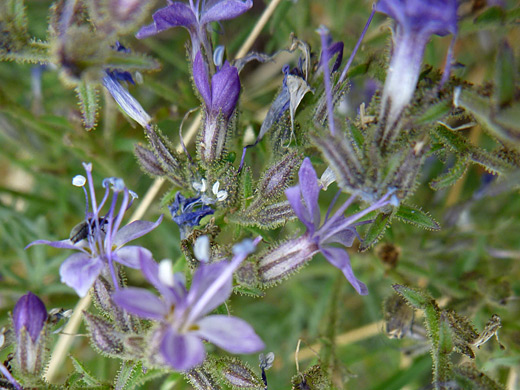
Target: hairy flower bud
[(285, 259), (29, 320)]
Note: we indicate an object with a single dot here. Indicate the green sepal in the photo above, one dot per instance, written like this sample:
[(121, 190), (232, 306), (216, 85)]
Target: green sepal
[(86, 376), (502, 125), (504, 75), (450, 177), (131, 375), (376, 230), (13, 19), (416, 298), (415, 216), (130, 61), (434, 112), (234, 373), (34, 52), (468, 377), (249, 291), (88, 103)]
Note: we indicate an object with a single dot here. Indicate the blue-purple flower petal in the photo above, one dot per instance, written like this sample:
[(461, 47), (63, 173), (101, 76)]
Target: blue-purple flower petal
[(182, 351), (29, 313), (175, 14), (200, 76), (63, 244), (130, 255), (203, 278), (339, 258), (294, 196), (79, 271), (225, 88), (134, 230), (230, 333), (310, 190), (150, 270), (141, 302), (225, 10)]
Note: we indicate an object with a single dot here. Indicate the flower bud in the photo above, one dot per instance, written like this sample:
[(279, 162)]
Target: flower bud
[(280, 262), (29, 319)]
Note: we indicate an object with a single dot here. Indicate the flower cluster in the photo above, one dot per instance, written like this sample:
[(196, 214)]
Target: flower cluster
[(100, 240), (182, 316)]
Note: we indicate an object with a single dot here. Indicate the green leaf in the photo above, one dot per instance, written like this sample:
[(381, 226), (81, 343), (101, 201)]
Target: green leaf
[(417, 217), (376, 230), (86, 376), (130, 61), (133, 374), (454, 174), (505, 127), (416, 298), (88, 103), (251, 291), (504, 75), (434, 112)]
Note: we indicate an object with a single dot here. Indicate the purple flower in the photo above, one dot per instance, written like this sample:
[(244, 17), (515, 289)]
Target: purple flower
[(29, 319), (194, 17), (98, 239), (29, 313), (183, 315), (335, 230), (222, 94), (417, 21)]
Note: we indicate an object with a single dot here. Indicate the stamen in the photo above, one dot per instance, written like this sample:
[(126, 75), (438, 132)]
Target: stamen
[(79, 180)]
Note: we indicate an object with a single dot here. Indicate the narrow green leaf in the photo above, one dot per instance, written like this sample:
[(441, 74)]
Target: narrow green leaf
[(506, 130), (130, 61), (376, 231), (88, 103), (452, 176), (416, 298), (417, 217), (86, 376), (504, 75), (434, 112), (131, 375), (251, 291)]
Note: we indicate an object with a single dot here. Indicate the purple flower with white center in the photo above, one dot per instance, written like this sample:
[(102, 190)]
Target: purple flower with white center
[(99, 239), (183, 315), (194, 17), (417, 21), (29, 319), (337, 229)]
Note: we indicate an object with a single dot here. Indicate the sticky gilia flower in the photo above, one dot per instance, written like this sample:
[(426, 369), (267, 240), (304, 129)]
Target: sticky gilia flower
[(182, 315), (220, 98), (29, 320), (194, 17), (338, 229), (416, 22), (99, 240)]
